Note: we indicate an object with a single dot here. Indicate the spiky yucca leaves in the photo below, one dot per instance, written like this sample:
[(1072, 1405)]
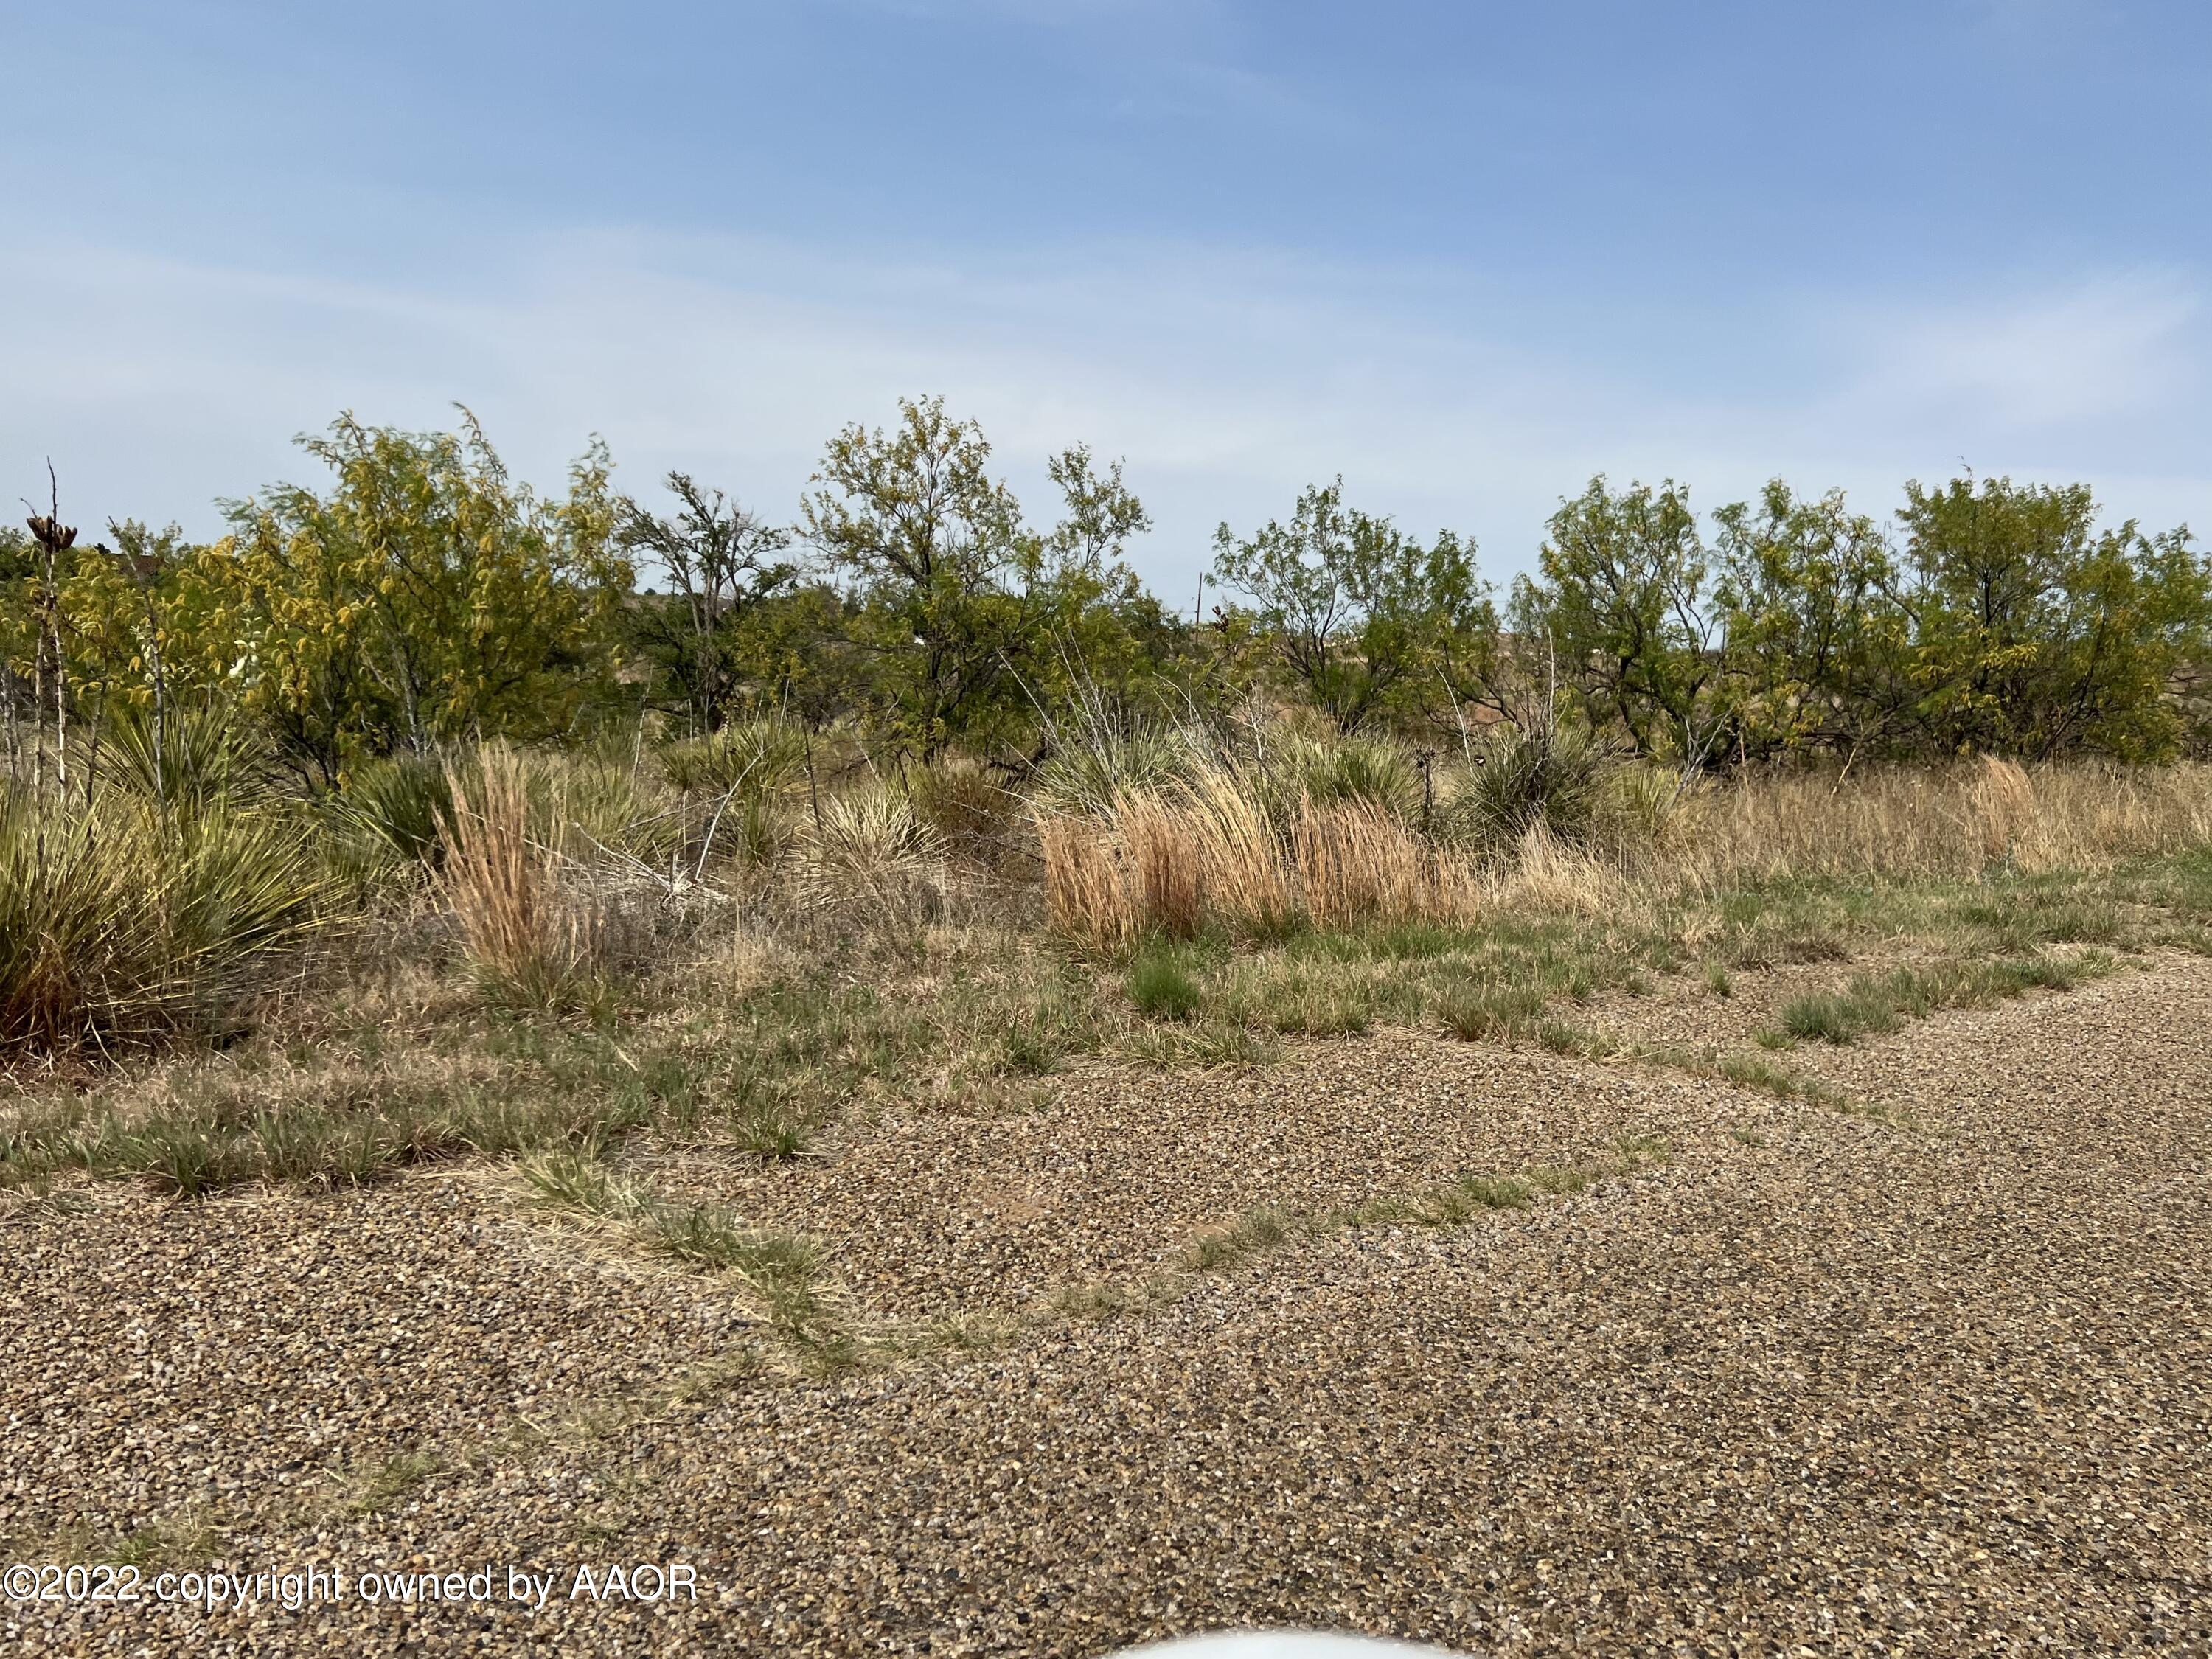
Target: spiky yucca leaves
[(124, 927), (1550, 776), (196, 758), (1094, 767), (395, 814), (869, 844), (749, 757), (1325, 769)]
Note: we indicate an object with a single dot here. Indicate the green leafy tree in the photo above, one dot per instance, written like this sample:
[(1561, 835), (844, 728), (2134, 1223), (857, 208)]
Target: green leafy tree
[(795, 654), (958, 605), (1360, 616), (2035, 633), (720, 561), (1624, 606), (426, 597), (1817, 639), (131, 629)]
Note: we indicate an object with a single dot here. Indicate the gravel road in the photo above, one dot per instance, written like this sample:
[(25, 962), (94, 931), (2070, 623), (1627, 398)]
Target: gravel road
[(1817, 1385)]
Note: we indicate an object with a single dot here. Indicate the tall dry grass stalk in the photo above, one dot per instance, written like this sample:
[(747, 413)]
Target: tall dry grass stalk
[(1207, 853), (1957, 821), (529, 940), (1547, 874), (1162, 869), (1086, 886), (1357, 863), (1242, 875)]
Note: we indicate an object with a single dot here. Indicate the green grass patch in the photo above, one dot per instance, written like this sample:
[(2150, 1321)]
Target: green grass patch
[(1769, 1077), (1162, 988), (1206, 1044), (786, 1273), (1876, 1004), (1489, 1013)]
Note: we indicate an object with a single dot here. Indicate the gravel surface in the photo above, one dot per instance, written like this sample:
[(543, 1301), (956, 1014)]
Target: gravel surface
[(1834, 1387), (160, 1356), (935, 1214)]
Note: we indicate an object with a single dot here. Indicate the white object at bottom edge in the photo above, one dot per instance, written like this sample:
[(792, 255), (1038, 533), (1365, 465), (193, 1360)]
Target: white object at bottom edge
[(1282, 1644)]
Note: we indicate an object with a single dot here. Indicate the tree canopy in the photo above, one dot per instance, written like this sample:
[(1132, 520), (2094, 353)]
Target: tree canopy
[(419, 595)]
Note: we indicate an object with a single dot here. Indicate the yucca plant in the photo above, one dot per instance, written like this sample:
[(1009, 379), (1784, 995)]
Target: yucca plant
[(196, 758), (1091, 770), (1327, 770), (122, 926), (869, 844), (1549, 776), (760, 757), (399, 810)]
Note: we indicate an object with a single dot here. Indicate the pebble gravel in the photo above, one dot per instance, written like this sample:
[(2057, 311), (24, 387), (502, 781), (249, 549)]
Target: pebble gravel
[(1817, 1385), (933, 1215)]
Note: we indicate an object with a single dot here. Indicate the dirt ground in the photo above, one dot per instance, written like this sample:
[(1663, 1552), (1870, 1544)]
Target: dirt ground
[(1810, 1382)]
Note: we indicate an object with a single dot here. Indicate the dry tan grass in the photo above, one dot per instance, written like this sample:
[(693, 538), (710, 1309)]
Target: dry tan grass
[(1548, 875), (1177, 860), (1955, 821), (1358, 864), (1232, 840), (527, 938), (1207, 853), (1085, 891), (1355, 862), (1163, 867)]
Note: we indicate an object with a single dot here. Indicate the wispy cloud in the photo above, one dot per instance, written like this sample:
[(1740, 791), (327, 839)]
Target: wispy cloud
[(2109, 346), (1228, 378)]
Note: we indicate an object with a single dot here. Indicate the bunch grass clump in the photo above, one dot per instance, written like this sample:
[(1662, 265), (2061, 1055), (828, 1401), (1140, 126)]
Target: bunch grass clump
[(1877, 1004), (1219, 850), (532, 942), (394, 816), (870, 844), (1548, 778)]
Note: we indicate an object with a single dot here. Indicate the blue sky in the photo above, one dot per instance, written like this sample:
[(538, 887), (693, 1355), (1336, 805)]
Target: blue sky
[(1464, 254)]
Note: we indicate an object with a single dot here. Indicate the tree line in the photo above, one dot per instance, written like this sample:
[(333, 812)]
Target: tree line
[(421, 596)]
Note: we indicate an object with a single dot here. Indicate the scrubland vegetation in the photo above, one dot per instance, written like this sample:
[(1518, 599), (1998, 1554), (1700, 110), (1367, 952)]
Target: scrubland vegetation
[(401, 823)]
